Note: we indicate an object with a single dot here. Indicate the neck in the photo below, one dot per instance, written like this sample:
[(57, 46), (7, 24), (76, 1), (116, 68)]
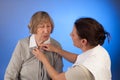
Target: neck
[(38, 39), (86, 48)]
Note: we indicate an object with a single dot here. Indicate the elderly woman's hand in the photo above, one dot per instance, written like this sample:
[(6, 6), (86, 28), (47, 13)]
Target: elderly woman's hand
[(38, 54)]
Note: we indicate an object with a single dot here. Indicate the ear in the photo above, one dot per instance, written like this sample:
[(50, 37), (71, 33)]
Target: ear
[(84, 42)]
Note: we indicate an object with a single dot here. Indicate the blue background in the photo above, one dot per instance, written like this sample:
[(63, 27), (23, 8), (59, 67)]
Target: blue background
[(15, 16)]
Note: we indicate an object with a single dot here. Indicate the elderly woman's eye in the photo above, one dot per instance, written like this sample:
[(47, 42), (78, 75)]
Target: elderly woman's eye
[(48, 26), (40, 26)]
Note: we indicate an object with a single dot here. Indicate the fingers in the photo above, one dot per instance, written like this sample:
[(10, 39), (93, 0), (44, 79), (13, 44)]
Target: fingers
[(35, 51), (39, 55), (44, 46), (48, 47)]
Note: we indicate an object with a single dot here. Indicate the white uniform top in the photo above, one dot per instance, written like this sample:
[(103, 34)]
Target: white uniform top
[(97, 61)]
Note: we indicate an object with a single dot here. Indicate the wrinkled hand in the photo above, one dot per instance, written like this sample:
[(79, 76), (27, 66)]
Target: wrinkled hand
[(38, 54)]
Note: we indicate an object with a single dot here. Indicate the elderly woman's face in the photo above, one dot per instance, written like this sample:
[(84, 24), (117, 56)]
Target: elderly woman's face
[(44, 31)]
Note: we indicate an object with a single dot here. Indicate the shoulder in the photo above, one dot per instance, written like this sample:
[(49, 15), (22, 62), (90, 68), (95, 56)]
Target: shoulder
[(55, 42), (102, 51), (24, 41)]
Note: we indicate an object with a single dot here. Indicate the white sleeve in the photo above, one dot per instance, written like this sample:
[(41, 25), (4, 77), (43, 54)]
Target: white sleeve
[(78, 73)]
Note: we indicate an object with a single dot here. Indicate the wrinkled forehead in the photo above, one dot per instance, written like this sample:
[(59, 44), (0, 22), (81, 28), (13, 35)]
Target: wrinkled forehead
[(44, 24)]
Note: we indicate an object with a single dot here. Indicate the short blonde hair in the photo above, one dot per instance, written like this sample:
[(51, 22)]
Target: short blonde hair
[(39, 17)]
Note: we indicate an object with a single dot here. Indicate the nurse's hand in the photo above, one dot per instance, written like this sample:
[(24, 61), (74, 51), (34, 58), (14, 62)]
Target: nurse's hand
[(50, 47)]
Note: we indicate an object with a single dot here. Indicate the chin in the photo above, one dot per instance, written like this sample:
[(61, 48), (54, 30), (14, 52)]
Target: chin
[(46, 38), (76, 45)]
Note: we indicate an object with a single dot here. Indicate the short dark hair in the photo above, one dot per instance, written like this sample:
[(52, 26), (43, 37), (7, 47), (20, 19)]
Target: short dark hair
[(91, 30)]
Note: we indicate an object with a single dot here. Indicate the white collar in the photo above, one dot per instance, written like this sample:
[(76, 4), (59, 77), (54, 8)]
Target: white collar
[(33, 42)]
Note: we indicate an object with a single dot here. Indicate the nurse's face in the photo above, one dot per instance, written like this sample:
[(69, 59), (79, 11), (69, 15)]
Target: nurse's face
[(76, 40)]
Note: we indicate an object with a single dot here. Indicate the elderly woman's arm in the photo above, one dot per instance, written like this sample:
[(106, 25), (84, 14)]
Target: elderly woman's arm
[(51, 71)]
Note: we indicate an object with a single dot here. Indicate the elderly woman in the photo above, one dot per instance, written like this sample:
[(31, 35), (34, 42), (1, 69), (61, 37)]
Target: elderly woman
[(23, 64), (94, 62)]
